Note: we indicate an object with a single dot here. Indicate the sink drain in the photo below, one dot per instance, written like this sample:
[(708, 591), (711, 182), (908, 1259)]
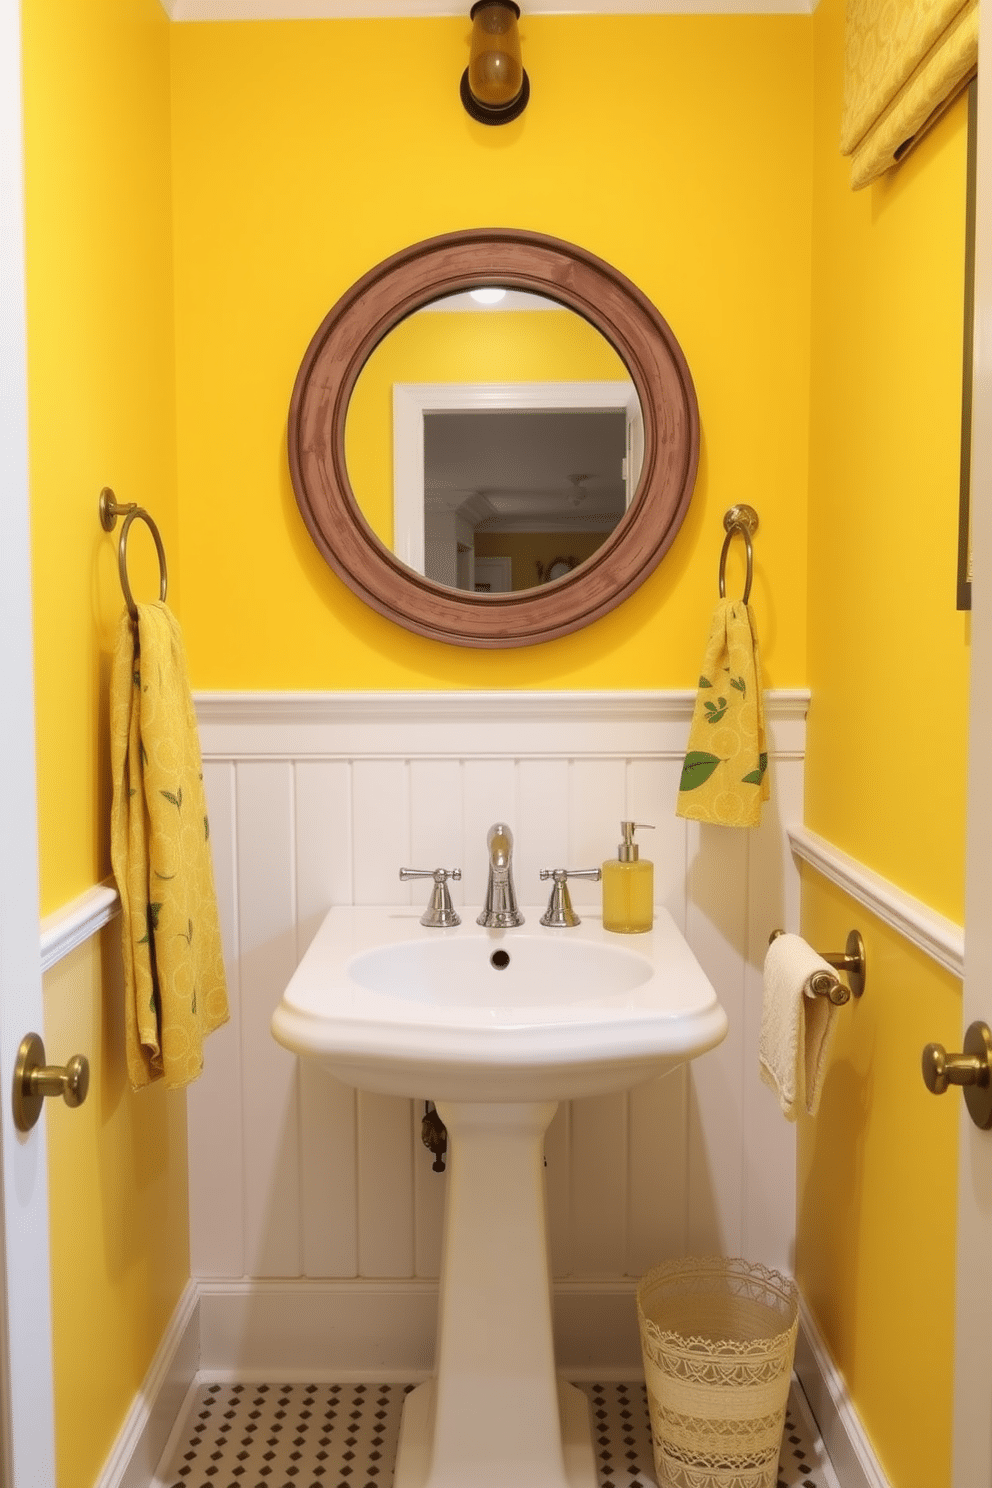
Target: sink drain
[(500, 960)]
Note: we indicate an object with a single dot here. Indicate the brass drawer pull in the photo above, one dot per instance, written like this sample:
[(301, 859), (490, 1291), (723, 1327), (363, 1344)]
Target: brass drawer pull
[(33, 1080), (972, 1069)]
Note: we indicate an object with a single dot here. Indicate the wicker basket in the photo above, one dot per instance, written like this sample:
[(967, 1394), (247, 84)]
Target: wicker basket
[(717, 1338)]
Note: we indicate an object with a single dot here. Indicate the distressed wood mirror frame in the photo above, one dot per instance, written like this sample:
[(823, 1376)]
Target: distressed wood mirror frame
[(448, 265)]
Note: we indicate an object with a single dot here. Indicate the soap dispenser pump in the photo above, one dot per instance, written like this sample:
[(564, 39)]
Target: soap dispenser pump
[(628, 886)]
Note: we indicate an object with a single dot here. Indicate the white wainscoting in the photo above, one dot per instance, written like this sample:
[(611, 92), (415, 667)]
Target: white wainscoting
[(318, 799)]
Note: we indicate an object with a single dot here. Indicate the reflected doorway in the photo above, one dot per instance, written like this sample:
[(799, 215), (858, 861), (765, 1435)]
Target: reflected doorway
[(529, 472)]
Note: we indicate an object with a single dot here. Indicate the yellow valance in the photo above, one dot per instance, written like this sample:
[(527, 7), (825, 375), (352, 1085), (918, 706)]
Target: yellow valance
[(904, 62)]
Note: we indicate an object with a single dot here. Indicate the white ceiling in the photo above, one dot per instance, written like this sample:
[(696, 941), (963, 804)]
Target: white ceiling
[(306, 10)]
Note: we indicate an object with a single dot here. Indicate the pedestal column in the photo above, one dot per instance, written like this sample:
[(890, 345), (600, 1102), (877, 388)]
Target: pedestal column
[(494, 1412)]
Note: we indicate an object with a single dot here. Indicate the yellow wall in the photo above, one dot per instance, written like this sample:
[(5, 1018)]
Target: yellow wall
[(877, 1185), (887, 648), (101, 412), (119, 1219), (101, 402), (306, 152), (886, 762)]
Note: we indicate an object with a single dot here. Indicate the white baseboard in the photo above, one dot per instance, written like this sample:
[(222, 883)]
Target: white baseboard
[(851, 1453), (316, 1331), (341, 1330), (150, 1421)]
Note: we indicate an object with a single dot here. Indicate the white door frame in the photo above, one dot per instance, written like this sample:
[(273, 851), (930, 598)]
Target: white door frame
[(412, 400), (972, 1453), (27, 1435)]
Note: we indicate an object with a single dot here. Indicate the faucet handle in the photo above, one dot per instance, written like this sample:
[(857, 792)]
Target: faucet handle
[(559, 912), (440, 912)]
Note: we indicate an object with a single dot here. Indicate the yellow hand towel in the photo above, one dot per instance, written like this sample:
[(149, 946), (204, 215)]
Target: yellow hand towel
[(725, 774), (794, 1040), (175, 990)]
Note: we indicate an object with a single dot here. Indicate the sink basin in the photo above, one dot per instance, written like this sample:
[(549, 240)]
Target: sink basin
[(496, 1027), (525, 973), (474, 1014)]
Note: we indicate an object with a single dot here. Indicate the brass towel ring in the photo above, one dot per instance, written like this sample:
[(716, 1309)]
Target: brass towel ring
[(739, 520), (110, 510)]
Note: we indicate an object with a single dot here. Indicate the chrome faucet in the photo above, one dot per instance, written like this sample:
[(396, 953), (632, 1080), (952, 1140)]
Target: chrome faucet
[(500, 909)]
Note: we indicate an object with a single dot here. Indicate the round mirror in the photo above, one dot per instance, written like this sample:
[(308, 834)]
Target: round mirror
[(493, 476)]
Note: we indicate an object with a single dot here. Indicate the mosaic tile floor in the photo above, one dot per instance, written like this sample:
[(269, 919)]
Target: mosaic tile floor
[(344, 1436)]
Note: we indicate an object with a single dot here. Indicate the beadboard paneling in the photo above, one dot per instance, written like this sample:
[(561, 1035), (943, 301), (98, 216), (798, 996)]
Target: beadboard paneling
[(214, 1101), (716, 920), (319, 799), (266, 829)]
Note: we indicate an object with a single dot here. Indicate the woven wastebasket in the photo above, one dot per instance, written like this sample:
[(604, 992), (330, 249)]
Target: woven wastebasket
[(717, 1338)]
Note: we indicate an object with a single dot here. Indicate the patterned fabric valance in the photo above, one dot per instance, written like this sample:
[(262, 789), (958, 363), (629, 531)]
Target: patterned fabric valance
[(904, 62)]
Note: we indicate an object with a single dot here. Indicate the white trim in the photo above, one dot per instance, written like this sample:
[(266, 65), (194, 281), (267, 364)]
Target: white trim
[(447, 706), (255, 1329), (261, 725), (851, 1454), (316, 1330), (70, 926), (939, 937), (158, 1405), (27, 1429), (305, 10), (971, 1439)]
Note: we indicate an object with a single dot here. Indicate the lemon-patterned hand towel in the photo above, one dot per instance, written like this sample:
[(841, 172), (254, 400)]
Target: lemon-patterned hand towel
[(725, 774), (175, 991)]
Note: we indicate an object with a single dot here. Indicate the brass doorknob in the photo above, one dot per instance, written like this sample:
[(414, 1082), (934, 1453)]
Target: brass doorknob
[(34, 1079), (972, 1069)]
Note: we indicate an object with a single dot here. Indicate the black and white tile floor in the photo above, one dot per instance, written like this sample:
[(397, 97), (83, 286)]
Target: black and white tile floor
[(344, 1436)]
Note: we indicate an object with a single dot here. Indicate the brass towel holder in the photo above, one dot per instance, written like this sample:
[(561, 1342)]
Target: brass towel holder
[(110, 510), (851, 960), (739, 521)]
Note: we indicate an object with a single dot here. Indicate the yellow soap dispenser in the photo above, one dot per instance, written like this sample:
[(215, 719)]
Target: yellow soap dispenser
[(628, 886)]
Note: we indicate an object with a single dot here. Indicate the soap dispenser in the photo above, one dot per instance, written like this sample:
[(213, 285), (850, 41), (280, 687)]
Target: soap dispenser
[(628, 886)]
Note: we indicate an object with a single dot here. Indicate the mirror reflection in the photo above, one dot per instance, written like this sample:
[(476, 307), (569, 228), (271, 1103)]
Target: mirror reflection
[(494, 440)]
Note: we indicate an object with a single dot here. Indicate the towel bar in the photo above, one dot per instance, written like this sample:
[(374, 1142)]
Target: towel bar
[(739, 521), (110, 510), (851, 960)]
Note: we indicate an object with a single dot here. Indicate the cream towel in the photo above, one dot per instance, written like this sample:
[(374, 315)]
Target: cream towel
[(175, 990), (796, 1030), (725, 774)]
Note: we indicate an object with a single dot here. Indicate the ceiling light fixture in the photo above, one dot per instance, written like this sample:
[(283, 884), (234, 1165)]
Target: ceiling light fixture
[(495, 88)]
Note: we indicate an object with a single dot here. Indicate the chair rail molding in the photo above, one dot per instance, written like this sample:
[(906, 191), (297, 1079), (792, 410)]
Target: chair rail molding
[(74, 923), (939, 937), (447, 724)]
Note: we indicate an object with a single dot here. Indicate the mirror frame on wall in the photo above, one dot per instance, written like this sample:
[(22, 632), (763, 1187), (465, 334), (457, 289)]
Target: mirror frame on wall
[(451, 264)]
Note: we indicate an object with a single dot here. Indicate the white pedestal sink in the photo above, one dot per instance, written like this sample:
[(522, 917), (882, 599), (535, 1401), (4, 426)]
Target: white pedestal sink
[(496, 1027)]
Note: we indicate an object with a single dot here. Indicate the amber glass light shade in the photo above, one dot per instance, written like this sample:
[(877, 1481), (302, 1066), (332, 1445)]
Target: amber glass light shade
[(495, 87)]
